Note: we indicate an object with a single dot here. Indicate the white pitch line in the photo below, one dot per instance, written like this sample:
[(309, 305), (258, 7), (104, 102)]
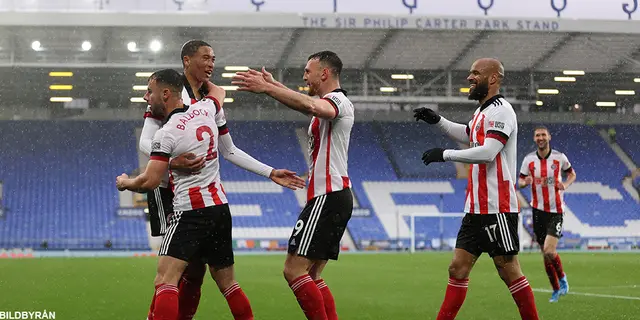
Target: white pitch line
[(592, 294), (634, 286)]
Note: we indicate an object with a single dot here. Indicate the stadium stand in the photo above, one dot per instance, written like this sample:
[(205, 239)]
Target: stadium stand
[(67, 197)]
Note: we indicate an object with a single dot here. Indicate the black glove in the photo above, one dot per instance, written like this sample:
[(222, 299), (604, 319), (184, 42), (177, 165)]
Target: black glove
[(427, 115), (433, 155)]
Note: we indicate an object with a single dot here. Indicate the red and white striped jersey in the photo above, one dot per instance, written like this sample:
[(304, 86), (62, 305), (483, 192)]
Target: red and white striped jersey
[(545, 195), (188, 98), (193, 129), (329, 146), (491, 186)]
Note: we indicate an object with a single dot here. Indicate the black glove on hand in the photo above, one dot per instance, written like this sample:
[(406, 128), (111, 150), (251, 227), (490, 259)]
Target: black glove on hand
[(433, 155), (427, 115)]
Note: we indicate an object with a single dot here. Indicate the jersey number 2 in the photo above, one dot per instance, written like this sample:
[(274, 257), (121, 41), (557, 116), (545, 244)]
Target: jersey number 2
[(210, 154)]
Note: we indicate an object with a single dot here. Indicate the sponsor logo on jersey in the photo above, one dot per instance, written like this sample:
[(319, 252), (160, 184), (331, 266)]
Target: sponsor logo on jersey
[(335, 100), (496, 124)]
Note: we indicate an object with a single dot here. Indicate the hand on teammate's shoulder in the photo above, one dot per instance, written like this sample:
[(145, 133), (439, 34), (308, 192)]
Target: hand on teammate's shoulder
[(216, 91)]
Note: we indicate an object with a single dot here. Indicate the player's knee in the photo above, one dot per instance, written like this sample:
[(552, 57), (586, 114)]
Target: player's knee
[(549, 254), (291, 271), (194, 273), (158, 280), (459, 271)]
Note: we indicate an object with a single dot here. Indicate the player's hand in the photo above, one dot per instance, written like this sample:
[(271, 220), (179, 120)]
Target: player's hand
[(215, 91), (427, 115), (528, 180), (187, 162), (287, 179), (561, 186), (433, 155), (120, 181), (252, 81), (267, 76)]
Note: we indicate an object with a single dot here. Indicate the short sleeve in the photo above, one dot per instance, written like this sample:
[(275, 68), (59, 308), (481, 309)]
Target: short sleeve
[(524, 169), (500, 125), (340, 104), (566, 165), (221, 122), (162, 145)]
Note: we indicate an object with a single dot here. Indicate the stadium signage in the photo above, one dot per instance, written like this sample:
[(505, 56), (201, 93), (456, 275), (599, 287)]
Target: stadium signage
[(130, 212), (525, 9), (411, 22)]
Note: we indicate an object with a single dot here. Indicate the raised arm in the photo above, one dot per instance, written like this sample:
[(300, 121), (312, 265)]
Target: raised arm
[(456, 131), (254, 81), (500, 126)]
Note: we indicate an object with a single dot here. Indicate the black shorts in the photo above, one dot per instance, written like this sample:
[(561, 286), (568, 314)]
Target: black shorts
[(546, 223), (320, 226), (202, 234), (496, 234), (160, 203)]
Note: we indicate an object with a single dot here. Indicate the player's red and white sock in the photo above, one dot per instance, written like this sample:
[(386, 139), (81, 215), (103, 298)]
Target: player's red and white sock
[(166, 302), (190, 288), (327, 297), (153, 304), (453, 298), (557, 264), (523, 296), (309, 297), (551, 273), (238, 302)]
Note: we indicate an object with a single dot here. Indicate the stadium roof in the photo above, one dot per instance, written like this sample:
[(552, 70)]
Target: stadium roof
[(105, 72), (286, 47)]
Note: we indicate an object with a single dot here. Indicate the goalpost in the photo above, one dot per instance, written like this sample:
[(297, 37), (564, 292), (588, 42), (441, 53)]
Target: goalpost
[(437, 221)]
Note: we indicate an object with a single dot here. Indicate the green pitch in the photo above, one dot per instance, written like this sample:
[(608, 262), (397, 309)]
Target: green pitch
[(365, 286)]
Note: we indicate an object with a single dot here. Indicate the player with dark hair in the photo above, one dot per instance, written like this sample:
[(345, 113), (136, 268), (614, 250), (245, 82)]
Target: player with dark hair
[(321, 224), (198, 61), (491, 206), (542, 169), (200, 228)]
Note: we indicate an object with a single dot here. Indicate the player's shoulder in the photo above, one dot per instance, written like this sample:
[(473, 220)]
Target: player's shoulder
[(557, 153), (530, 155), (502, 108), (339, 97), (208, 102)]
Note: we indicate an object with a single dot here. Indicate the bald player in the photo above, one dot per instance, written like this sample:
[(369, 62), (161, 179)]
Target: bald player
[(491, 221)]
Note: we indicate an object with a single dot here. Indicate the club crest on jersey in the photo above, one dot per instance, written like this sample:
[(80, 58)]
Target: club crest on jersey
[(554, 167), (496, 124)]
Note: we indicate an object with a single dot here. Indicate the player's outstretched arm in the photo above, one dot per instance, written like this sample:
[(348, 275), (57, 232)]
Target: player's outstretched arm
[(243, 160), (148, 180), (269, 78), (456, 131), (254, 81), (480, 154)]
